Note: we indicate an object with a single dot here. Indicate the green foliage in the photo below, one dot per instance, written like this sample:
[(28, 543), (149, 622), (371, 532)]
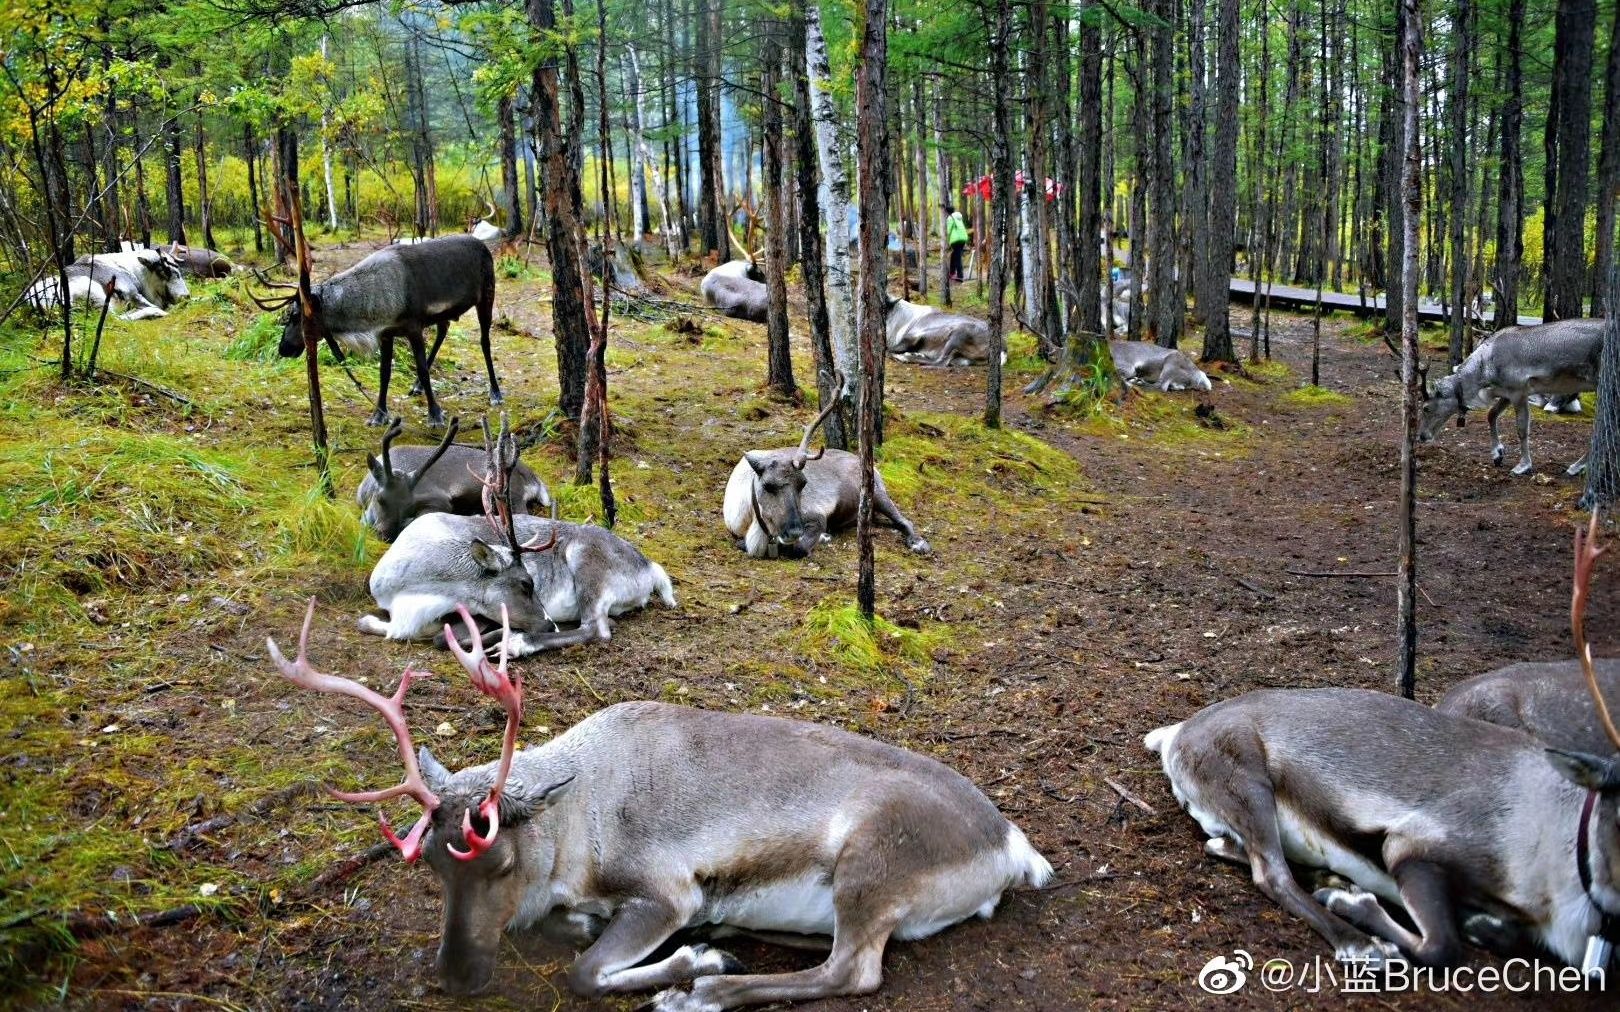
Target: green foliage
[(1316, 397)]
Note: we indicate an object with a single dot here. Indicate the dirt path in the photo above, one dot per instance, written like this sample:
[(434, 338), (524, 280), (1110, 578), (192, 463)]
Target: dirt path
[(1164, 587)]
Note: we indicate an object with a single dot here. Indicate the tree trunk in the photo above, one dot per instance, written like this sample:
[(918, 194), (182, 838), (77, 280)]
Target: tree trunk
[(1603, 461), (835, 185), (568, 321), (509, 168), (1195, 229), (810, 243), (174, 190), (712, 212), (205, 203), (1391, 161), (1569, 151), (1142, 169), (1162, 286), (1215, 291), (250, 152), (416, 117), (1461, 36), (1510, 181), (1001, 184), (872, 150), (779, 357), (640, 218), (1608, 181), (1412, 204), (326, 164)]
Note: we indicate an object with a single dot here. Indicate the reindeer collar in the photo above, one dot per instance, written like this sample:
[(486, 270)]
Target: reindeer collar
[(1609, 926)]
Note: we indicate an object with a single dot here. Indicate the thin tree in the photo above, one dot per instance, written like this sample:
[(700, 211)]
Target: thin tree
[(1603, 461), (809, 219), (779, 357), (1457, 98), (1001, 186), (1568, 144), (1411, 46), (872, 152), (1608, 181), (1217, 263), (1510, 181), (836, 270)]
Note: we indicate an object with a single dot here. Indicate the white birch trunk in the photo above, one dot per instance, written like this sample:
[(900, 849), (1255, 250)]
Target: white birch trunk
[(835, 194), (638, 146), (326, 163)]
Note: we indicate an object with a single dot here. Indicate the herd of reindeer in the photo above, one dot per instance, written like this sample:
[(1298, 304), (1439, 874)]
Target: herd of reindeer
[(1493, 817)]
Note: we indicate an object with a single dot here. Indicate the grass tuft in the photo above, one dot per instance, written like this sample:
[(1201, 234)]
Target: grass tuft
[(1316, 397), (835, 632)]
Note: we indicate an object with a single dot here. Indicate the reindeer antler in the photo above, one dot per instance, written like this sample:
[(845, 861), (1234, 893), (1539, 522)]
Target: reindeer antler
[(444, 444), (1423, 379), (396, 425), (507, 689), (1586, 556), (801, 456), (271, 305), (501, 457), (393, 712)]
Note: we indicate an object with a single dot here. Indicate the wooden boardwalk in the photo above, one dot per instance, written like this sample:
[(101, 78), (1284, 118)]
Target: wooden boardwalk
[(1304, 300)]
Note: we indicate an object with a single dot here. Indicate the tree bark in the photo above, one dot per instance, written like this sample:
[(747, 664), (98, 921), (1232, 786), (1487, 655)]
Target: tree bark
[(1569, 151), (872, 149), (835, 187), (1412, 204), (1608, 181), (810, 243), (1001, 183), (174, 189), (509, 168), (564, 229), (712, 212), (1603, 461), (1457, 97), (1215, 292), (1510, 181), (779, 357), (1162, 286)]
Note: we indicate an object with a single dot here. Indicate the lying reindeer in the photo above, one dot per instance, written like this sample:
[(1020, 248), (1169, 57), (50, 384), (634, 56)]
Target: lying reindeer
[(1549, 701), (929, 336), (1427, 811), (647, 818), (94, 285), (1549, 359), (786, 501), (400, 291), (737, 287), (543, 572), (412, 480), (1166, 368)]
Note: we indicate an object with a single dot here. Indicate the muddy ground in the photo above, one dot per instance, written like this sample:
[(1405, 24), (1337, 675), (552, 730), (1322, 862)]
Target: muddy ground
[(1171, 577)]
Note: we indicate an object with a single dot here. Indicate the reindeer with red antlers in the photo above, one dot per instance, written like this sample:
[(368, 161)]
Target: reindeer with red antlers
[(543, 573), (648, 818), (1465, 828)]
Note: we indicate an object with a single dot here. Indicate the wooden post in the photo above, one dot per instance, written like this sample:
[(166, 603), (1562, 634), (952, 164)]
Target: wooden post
[(291, 217)]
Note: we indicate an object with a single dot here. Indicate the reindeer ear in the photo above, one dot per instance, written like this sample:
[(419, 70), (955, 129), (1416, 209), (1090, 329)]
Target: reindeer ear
[(490, 559), (433, 771), (756, 462), (1585, 770)]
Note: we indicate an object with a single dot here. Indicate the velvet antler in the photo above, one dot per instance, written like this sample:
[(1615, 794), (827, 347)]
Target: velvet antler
[(1587, 553), (300, 672), (507, 689)]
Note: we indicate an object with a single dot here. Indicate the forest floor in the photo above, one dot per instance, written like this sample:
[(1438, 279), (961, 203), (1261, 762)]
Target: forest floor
[(1092, 578)]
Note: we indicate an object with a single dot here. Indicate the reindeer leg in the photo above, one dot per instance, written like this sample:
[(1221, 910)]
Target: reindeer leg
[(1579, 467), (1496, 438), (433, 355), (425, 381), (385, 369), (1423, 891), (886, 507), (636, 931), (1521, 411), (485, 311)]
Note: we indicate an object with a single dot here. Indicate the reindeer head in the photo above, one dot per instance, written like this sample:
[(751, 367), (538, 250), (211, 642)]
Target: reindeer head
[(394, 505), (485, 871), (501, 558), (779, 479), (164, 269), (289, 305), (1439, 404), (749, 255)]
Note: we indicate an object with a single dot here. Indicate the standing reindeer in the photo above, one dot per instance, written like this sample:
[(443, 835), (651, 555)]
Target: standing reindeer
[(541, 572), (787, 501), (412, 480), (1435, 814), (648, 818), (400, 291), (1558, 358)]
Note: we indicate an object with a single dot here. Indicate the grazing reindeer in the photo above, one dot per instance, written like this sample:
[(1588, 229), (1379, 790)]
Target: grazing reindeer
[(1426, 811), (788, 501), (648, 818), (1550, 359), (929, 336), (542, 572), (1165, 368), (737, 287), (400, 291), (1549, 701), (435, 480)]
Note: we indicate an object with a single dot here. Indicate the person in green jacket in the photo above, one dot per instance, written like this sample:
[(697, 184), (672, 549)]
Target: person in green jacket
[(956, 234)]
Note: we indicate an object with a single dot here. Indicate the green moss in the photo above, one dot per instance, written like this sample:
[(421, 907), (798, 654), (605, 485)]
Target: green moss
[(1269, 371), (932, 453), (835, 633), (1316, 397)]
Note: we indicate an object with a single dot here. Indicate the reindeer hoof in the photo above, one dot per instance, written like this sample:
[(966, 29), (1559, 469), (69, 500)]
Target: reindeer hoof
[(673, 1000), (373, 625), (496, 400), (707, 961), (919, 546), (1576, 469), (378, 418), (1523, 468), (436, 421), (1370, 954)]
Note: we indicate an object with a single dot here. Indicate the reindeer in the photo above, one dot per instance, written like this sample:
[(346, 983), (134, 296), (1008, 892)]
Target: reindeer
[(787, 501), (484, 229), (1548, 700), (391, 498), (1558, 358), (399, 291), (1429, 812), (648, 818), (930, 336), (1166, 368), (94, 284), (542, 572), (737, 287)]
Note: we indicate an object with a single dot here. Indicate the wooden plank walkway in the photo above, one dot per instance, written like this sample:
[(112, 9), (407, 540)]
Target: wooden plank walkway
[(1304, 300)]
